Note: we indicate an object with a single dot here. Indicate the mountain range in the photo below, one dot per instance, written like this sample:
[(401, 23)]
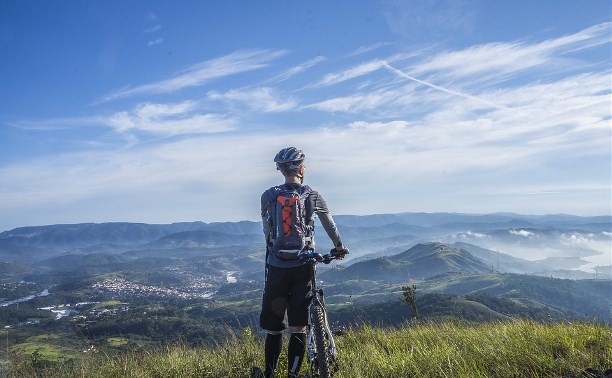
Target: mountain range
[(488, 266), (560, 245)]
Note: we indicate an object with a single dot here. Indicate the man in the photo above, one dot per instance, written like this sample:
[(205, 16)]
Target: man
[(288, 278)]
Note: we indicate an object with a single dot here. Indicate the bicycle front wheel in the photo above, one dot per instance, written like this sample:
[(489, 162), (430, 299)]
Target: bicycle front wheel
[(324, 356)]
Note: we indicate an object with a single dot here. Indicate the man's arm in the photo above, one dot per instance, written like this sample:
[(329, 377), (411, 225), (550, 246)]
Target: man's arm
[(327, 221), (267, 226)]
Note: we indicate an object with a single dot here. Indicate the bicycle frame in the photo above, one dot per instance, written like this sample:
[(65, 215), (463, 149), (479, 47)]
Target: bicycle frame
[(323, 363)]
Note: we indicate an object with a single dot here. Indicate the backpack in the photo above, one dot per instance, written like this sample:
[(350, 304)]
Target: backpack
[(292, 227)]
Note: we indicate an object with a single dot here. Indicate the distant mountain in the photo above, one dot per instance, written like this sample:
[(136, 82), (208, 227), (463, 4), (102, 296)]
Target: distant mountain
[(70, 236), (440, 219), (236, 228), (433, 258), (204, 238), (560, 242), (421, 261), (521, 236), (11, 267), (23, 254), (76, 261), (380, 232), (497, 260), (34, 244)]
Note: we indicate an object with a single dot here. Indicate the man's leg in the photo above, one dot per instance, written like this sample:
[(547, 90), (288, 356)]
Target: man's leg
[(273, 347), (296, 349), (297, 316), (274, 305)]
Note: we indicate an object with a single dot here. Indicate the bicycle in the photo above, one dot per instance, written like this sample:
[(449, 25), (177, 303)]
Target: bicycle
[(321, 349)]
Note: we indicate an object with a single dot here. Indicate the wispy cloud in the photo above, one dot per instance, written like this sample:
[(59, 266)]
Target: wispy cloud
[(351, 73), (263, 99), (449, 91), (169, 119), (153, 29), (366, 49), (467, 73), (496, 61), (460, 130), (359, 103), (201, 73), (297, 69), (154, 42), (53, 124), (152, 19)]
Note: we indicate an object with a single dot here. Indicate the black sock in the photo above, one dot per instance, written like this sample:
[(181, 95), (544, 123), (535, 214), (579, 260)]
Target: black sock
[(295, 352), (274, 345)]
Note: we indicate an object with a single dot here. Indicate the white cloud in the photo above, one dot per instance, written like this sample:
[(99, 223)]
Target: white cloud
[(427, 136), (523, 233), (358, 103), (263, 99), (588, 241), (298, 69), (154, 42), (437, 87), (201, 73), (366, 49), (495, 61), (351, 73), (468, 73), (52, 124), (169, 119)]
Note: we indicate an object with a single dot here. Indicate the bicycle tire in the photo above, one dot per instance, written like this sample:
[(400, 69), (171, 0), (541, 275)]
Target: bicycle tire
[(323, 356)]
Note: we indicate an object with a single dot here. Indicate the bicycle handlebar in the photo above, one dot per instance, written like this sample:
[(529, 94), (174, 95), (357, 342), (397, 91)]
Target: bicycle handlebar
[(309, 254)]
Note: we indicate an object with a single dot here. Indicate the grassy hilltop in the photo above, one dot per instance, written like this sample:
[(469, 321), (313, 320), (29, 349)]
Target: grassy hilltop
[(444, 348)]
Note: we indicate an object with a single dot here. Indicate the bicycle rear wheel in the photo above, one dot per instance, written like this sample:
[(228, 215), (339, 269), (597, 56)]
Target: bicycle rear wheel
[(325, 360)]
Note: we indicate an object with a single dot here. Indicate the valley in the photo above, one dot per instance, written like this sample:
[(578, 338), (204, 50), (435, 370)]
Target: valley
[(119, 286)]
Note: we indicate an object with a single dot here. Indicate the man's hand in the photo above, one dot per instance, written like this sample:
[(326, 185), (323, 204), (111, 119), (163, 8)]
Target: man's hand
[(339, 252)]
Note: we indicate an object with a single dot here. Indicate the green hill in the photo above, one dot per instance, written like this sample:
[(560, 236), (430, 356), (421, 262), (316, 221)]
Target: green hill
[(421, 261)]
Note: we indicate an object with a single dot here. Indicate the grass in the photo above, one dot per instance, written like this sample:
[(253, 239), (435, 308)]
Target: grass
[(447, 348), (117, 341)]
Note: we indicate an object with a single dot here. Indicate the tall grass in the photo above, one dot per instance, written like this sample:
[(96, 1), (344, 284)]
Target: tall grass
[(446, 348), (451, 349)]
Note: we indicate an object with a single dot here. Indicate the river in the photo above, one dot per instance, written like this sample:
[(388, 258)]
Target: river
[(43, 293)]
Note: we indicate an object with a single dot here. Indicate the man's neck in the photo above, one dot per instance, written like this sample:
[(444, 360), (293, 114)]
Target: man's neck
[(293, 180)]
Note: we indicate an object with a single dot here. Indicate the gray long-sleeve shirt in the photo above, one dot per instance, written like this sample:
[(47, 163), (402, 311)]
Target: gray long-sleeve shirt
[(315, 204)]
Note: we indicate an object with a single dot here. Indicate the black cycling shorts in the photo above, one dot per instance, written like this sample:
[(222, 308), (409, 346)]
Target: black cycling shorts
[(285, 290)]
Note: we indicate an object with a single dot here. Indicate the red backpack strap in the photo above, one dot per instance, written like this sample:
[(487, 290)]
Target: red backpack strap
[(287, 204)]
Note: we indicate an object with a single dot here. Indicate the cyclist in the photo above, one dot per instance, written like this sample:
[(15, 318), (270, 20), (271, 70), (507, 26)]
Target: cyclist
[(288, 280)]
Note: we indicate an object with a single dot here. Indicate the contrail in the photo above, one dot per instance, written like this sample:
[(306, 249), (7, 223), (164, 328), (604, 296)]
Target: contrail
[(402, 74)]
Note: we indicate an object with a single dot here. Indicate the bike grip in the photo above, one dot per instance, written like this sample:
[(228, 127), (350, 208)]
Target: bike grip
[(335, 252)]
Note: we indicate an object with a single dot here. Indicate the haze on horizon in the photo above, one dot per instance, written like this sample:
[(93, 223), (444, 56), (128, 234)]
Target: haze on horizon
[(159, 112)]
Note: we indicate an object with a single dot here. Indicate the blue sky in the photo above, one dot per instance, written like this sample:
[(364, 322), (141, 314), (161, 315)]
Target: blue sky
[(160, 111)]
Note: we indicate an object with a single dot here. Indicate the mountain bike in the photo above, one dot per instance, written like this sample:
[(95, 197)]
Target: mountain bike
[(321, 349)]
